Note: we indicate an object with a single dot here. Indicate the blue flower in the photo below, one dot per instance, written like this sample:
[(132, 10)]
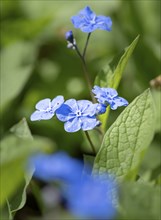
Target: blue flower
[(88, 21), (91, 198), (109, 96), (57, 166), (46, 108), (70, 39), (78, 115)]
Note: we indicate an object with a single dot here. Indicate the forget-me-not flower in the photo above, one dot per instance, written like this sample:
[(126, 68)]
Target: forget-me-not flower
[(88, 21), (57, 166), (78, 115), (109, 96), (45, 109), (91, 198)]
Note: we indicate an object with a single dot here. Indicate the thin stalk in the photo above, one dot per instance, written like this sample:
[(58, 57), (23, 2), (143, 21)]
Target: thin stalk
[(87, 77), (85, 48), (90, 141)]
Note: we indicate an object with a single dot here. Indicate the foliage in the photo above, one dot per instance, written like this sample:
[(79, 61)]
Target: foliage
[(36, 64)]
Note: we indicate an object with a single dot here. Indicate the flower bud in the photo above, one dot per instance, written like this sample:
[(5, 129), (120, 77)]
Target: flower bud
[(70, 39), (69, 36)]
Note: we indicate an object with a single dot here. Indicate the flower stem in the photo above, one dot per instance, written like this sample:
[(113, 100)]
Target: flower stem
[(87, 77), (90, 141), (85, 48)]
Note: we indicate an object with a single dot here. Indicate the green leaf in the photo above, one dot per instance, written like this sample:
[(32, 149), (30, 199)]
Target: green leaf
[(111, 75), (126, 141), (22, 130), (19, 199), (139, 201), (157, 103), (15, 150), (16, 65)]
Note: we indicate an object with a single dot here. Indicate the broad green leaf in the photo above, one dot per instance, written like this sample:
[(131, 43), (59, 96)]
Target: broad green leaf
[(126, 141), (111, 75), (139, 201), (11, 178), (16, 65), (15, 150), (157, 103)]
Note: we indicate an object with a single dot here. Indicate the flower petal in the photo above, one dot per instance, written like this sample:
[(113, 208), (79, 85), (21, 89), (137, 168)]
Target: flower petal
[(87, 13), (117, 102), (57, 102), (111, 93), (72, 103), (41, 115), (43, 104), (103, 23), (72, 125), (64, 113), (88, 123)]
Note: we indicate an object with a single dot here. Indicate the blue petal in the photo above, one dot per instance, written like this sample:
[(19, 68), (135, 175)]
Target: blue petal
[(57, 102), (41, 115), (72, 125), (64, 113), (86, 107), (96, 205), (77, 22), (88, 123), (104, 23), (96, 89), (120, 101), (87, 13), (43, 104), (88, 28), (72, 103), (111, 93), (101, 108), (58, 166)]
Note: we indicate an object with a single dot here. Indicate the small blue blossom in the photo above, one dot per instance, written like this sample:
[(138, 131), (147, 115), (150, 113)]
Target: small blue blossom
[(78, 115), (57, 166), (88, 21), (70, 39), (46, 108), (109, 96), (91, 198)]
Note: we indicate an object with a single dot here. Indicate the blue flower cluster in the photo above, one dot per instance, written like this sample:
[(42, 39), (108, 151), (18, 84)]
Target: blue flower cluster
[(80, 114), (109, 96), (86, 197)]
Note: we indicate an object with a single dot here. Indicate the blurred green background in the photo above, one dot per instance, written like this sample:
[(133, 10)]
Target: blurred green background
[(36, 64)]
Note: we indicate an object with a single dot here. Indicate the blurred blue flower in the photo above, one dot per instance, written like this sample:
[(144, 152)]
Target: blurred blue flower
[(46, 108), (70, 39), (109, 96), (91, 198), (88, 21), (78, 115), (57, 166)]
